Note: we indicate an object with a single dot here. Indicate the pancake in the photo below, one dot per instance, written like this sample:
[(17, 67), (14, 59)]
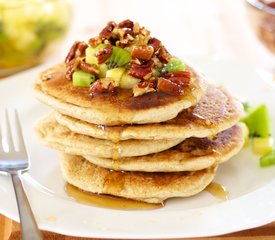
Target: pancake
[(114, 108), (215, 112), (190, 155), (141, 186), (59, 137)]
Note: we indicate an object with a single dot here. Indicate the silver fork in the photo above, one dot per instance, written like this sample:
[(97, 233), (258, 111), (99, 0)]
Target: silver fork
[(15, 161)]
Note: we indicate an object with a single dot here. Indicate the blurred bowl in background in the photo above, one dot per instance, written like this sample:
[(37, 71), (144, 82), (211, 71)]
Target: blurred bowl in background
[(262, 17), (29, 31)]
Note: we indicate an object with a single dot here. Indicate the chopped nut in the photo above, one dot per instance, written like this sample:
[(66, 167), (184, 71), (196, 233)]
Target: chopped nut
[(77, 50), (126, 24), (94, 42), (71, 67), (142, 88), (140, 70), (164, 55), (142, 52), (102, 85), (104, 54), (155, 43), (136, 28), (167, 86), (70, 56), (107, 31), (90, 68)]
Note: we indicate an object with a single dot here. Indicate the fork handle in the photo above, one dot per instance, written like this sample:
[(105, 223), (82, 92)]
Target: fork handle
[(29, 228)]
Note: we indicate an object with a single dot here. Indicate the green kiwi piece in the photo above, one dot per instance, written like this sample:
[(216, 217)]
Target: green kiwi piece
[(119, 58)]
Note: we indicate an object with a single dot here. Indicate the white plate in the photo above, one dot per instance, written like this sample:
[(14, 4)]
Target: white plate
[(251, 189)]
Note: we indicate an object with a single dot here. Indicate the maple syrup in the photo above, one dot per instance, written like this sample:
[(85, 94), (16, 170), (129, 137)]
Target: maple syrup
[(217, 190), (107, 201)]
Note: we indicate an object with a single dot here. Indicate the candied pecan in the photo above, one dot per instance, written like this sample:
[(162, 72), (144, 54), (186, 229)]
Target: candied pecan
[(71, 54), (186, 74), (104, 54), (71, 67), (102, 85), (77, 50), (90, 68), (167, 86), (163, 54), (126, 24), (94, 42), (140, 70), (155, 43), (142, 52), (107, 31), (142, 88)]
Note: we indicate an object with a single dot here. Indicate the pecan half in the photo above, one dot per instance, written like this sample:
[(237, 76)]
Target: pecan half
[(126, 24), (77, 50), (104, 54), (140, 70), (167, 86), (88, 67), (142, 52), (71, 54), (155, 43), (102, 85), (182, 78), (71, 67), (164, 55), (107, 31)]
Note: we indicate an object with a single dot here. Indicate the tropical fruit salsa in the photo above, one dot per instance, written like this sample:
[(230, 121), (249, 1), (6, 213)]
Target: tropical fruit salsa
[(125, 56)]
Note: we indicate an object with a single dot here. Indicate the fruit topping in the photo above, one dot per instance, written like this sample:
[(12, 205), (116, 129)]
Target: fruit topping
[(124, 55)]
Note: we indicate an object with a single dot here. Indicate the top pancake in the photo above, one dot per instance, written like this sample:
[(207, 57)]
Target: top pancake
[(116, 108), (216, 111)]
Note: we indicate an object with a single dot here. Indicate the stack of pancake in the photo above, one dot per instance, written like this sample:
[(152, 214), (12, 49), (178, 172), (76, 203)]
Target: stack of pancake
[(148, 148)]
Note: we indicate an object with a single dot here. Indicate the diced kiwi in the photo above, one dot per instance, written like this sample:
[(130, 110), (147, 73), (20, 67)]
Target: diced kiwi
[(115, 74), (175, 65), (261, 146), (258, 122), (128, 81), (91, 52), (82, 79), (119, 58), (268, 159)]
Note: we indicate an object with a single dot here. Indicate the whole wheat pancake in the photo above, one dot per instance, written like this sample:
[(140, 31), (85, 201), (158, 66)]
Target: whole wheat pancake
[(114, 108), (215, 112), (61, 138), (190, 155), (141, 186)]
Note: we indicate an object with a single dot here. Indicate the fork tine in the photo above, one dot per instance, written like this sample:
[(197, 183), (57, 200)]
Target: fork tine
[(9, 140), (21, 144)]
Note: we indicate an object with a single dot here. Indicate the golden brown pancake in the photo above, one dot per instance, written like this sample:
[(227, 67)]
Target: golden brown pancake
[(215, 112), (114, 108), (60, 137), (141, 186), (190, 155)]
